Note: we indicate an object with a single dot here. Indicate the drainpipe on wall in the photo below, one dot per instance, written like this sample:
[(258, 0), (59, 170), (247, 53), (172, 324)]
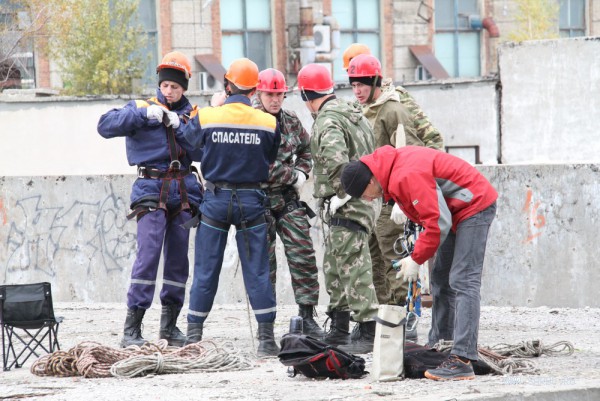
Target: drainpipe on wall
[(490, 25), (307, 41)]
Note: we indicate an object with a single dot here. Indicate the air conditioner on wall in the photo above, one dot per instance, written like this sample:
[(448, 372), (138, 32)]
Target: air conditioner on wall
[(322, 36), (209, 83)]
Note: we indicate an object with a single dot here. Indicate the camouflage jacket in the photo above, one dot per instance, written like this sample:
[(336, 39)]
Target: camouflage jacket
[(294, 156), (340, 134), (396, 106)]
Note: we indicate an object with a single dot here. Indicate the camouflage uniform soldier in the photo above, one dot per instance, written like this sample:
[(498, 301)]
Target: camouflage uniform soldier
[(340, 134), (287, 216), (398, 121)]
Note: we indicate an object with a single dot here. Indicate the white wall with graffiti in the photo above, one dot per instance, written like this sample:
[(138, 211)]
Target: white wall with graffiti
[(72, 232)]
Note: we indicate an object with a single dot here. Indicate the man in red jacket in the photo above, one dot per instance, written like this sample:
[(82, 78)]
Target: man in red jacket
[(456, 205)]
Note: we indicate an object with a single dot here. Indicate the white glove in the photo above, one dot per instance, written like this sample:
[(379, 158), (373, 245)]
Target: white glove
[(218, 98), (337, 202), (397, 215), (173, 119), (300, 180), (155, 112), (409, 269)]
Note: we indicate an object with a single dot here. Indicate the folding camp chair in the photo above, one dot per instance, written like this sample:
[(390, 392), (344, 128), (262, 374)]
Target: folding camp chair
[(27, 319)]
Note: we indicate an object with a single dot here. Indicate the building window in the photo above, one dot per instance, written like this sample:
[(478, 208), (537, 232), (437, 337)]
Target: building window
[(456, 43), (359, 23), (17, 69), (147, 21), (246, 31), (572, 18)]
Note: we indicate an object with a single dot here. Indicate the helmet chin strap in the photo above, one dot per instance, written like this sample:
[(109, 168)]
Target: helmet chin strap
[(372, 92), (226, 85)]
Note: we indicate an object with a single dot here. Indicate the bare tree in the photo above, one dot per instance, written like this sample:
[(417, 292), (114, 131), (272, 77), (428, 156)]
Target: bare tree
[(20, 22)]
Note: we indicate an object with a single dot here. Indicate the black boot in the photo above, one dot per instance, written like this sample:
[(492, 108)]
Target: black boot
[(364, 343), (266, 340), (339, 327), (132, 331), (309, 326), (194, 333), (168, 326)]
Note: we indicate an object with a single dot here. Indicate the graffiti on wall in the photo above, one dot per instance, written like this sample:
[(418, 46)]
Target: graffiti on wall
[(90, 234)]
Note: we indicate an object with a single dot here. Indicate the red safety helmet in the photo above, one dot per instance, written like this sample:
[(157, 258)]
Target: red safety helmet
[(271, 80), (243, 73), (352, 51), (315, 77), (176, 61), (364, 65)]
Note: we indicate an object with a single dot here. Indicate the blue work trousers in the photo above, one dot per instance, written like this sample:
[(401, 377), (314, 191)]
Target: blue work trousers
[(233, 207), (456, 284), (156, 233)]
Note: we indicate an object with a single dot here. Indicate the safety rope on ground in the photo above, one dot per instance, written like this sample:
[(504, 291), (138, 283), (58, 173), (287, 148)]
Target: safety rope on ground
[(93, 360), (506, 359)]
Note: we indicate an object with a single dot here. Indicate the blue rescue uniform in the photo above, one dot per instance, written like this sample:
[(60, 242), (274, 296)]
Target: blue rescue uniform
[(239, 143), (159, 228)]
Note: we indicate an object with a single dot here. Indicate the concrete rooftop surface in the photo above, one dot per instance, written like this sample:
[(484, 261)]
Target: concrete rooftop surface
[(575, 377)]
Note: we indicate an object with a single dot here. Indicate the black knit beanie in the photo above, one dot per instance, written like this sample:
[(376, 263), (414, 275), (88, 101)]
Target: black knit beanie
[(170, 74), (355, 178), (307, 95), (366, 80)]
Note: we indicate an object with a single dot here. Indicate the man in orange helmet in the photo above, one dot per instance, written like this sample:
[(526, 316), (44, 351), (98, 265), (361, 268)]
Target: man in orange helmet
[(239, 143), (163, 197), (287, 215), (340, 133)]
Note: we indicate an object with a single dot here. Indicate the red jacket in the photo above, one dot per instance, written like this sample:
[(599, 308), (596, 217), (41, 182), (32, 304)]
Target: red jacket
[(433, 189)]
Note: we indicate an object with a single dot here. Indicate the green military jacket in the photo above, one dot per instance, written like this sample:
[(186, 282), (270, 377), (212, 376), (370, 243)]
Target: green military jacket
[(340, 134), (294, 156), (396, 111)]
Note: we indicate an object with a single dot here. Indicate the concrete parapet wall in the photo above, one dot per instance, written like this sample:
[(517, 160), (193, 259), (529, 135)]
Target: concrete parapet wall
[(72, 231)]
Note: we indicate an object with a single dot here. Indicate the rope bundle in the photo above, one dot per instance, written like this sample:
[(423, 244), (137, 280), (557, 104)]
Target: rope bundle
[(93, 360), (505, 359)]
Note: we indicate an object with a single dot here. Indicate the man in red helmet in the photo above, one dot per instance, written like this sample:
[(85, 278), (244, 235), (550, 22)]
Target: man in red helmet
[(340, 133), (392, 125), (163, 196), (239, 143), (287, 215)]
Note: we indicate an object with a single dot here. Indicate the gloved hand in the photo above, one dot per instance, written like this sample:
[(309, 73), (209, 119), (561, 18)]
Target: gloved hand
[(155, 112), (218, 98), (409, 269), (397, 215), (174, 120), (337, 202), (300, 181)]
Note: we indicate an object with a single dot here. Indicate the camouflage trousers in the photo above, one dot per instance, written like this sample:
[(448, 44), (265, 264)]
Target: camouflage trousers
[(348, 275), (389, 289), (294, 232)]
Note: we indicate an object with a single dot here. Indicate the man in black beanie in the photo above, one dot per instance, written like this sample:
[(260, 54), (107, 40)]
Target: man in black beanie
[(455, 205), (165, 195)]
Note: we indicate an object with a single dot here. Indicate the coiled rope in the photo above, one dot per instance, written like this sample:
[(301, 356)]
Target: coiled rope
[(93, 360), (506, 359)]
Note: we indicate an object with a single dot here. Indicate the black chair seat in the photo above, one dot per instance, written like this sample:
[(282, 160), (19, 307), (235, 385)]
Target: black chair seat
[(28, 321)]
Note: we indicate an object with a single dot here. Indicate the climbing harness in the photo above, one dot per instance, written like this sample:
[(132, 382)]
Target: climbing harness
[(175, 172)]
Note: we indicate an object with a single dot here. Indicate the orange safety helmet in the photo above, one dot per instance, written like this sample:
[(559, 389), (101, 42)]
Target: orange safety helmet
[(177, 61), (315, 77), (243, 73), (364, 65), (271, 80), (354, 50)]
